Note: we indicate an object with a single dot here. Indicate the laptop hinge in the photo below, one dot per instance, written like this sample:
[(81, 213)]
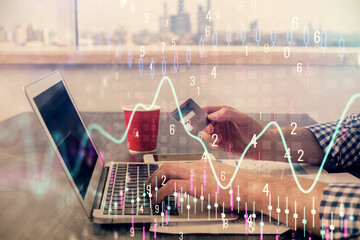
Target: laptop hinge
[(100, 189)]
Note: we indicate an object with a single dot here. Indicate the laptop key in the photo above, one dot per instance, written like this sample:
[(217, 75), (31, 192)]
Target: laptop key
[(118, 207), (116, 212), (145, 211), (130, 211)]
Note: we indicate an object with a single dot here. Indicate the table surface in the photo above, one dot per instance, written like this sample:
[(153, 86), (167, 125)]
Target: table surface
[(37, 201)]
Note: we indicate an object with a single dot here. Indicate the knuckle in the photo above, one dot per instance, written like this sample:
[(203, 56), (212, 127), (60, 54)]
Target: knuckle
[(165, 167), (225, 111), (170, 182)]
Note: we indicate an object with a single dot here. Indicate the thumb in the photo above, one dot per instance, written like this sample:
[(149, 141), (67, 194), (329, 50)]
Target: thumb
[(228, 114)]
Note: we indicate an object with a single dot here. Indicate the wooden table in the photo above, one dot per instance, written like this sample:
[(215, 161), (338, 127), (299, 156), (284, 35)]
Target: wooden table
[(37, 201)]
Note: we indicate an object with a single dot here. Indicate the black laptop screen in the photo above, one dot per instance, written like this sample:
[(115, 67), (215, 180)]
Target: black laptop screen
[(68, 133)]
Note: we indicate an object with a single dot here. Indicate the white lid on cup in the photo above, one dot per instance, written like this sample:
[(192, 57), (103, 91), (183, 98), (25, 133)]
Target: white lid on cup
[(140, 108)]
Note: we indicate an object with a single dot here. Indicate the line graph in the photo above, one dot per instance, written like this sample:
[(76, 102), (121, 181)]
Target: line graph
[(165, 78), (24, 126)]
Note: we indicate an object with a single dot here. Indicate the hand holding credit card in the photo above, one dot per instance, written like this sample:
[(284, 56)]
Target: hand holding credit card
[(194, 117)]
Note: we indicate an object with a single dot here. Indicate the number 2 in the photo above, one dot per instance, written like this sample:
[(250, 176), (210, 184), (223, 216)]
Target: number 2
[(301, 152), (216, 138), (295, 126), (163, 177)]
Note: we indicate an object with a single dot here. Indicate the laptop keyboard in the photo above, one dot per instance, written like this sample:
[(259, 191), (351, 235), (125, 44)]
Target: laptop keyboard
[(127, 194)]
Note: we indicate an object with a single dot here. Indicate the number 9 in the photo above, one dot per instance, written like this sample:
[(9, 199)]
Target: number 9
[(266, 48)]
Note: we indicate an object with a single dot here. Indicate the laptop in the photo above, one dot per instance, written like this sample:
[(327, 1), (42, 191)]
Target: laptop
[(111, 192)]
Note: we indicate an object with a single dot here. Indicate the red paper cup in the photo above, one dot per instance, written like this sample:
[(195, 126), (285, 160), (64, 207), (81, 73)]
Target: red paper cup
[(143, 131)]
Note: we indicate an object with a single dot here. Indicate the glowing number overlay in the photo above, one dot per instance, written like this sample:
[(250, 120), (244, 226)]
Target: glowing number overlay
[(317, 37), (253, 140), (266, 48), (295, 126), (225, 223), (216, 138), (172, 129), (192, 83), (222, 176), (354, 97), (266, 189), (301, 152), (163, 182), (286, 52), (299, 67), (132, 232)]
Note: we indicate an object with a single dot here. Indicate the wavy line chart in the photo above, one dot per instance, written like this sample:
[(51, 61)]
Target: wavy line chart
[(24, 126), (92, 127)]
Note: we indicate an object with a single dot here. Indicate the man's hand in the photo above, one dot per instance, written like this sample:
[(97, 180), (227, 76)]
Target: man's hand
[(237, 129), (251, 187), (197, 175), (232, 127)]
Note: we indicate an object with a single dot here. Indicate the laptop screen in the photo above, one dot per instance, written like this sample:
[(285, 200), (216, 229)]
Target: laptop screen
[(68, 133)]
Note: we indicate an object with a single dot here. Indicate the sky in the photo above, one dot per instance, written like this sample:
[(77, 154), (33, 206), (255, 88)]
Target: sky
[(96, 15)]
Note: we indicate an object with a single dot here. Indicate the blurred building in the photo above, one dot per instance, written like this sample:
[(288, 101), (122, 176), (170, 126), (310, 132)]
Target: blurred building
[(164, 24), (202, 21), (180, 23)]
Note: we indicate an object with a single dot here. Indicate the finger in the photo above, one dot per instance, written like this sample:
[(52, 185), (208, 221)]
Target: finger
[(169, 188), (170, 171), (215, 138), (211, 109), (211, 140), (209, 128), (156, 173), (206, 136), (228, 114)]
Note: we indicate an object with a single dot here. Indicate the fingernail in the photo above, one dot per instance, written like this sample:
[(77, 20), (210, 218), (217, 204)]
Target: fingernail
[(211, 128)]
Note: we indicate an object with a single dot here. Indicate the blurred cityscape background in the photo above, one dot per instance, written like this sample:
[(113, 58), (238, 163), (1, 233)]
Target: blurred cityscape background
[(181, 22)]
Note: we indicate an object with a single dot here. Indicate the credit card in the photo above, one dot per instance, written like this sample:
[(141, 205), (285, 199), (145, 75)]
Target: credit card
[(194, 117)]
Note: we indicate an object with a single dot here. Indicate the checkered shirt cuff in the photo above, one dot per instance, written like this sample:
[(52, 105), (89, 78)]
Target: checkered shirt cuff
[(345, 150)]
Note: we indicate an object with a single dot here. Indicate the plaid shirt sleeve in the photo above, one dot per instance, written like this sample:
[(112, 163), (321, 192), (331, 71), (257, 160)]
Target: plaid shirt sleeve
[(345, 151), (340, 204)]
